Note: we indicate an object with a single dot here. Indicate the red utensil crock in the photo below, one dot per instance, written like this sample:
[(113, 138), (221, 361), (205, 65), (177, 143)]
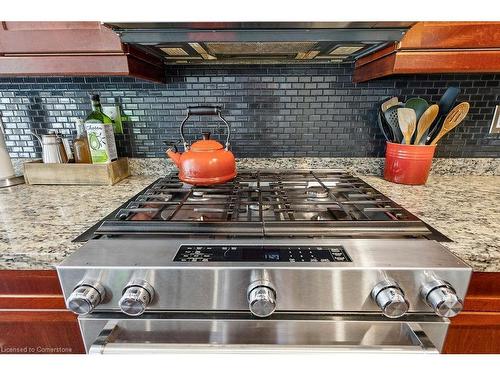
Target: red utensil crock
[(408, 164)]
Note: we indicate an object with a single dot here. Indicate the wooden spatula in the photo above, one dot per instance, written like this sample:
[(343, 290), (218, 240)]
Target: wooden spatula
[(389, 103), (426, 121), (455, 117), (407, 123)]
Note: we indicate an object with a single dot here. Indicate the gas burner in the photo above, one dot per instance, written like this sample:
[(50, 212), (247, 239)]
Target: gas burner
[(198, 196), (255, 206), (321, 216), (315, 194), (165, 197), (165, 214), (123, 216)]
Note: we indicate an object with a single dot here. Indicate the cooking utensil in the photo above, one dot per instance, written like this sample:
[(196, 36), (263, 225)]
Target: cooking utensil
[(407, 123), (52, 148), (391, 117), (419, 105), (205, 162), (446, 103), (453, 118), (382, 127), (448, 100), (389, 103), (425, 122)]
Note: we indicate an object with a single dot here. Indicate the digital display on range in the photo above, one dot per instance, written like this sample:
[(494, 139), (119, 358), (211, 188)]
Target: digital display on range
[(226, 253), (272, 256)]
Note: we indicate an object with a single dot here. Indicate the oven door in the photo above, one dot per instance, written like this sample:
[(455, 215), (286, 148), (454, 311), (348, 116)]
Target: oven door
[(105, 333)]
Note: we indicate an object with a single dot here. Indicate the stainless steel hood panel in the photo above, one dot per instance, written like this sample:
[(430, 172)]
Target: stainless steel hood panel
[(216, 286), (262, 41)]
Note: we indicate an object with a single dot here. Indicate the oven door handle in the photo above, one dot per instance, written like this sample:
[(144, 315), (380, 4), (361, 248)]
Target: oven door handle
[(105, 344)]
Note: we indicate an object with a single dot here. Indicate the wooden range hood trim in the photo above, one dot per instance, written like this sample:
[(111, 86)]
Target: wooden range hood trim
[(436, 47), (65, 65), (434, 62), (72, 49)]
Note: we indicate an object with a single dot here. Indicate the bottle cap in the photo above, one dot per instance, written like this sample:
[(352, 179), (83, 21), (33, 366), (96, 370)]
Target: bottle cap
[(95, 97)]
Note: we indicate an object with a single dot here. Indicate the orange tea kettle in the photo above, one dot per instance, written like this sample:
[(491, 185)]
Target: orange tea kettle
[(205, 162)]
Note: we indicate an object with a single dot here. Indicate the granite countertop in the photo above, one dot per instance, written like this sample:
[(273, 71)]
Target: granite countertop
[(37, 223), (466, 209)]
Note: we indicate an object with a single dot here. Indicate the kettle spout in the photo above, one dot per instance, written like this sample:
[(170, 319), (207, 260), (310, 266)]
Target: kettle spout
[(174, 156)]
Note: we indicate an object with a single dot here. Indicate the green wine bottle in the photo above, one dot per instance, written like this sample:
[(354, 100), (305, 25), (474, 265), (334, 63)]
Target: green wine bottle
[(97, 113), (100, 134)]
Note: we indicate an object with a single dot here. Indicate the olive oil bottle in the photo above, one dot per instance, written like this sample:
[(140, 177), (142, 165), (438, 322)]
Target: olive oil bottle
[(81, 144), (100, 134)]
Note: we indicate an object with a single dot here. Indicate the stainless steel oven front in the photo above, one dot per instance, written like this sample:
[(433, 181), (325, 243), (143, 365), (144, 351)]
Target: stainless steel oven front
[(193, 333), (158, 294)]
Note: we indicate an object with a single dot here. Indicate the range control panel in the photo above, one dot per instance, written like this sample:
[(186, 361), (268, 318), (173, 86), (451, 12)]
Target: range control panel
[(195, 253)]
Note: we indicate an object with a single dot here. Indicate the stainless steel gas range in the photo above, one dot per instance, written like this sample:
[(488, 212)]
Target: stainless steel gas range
[(272, 261)]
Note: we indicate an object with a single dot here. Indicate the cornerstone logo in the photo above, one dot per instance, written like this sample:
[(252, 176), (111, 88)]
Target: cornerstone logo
[(33, 350)]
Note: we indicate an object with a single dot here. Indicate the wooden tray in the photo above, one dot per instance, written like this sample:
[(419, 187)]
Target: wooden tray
[(38, 173)]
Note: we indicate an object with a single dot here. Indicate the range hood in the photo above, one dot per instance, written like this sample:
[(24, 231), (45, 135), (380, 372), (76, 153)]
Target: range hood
[(260, 42)]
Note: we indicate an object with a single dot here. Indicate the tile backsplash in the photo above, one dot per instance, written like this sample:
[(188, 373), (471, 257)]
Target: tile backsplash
[(274, 111)]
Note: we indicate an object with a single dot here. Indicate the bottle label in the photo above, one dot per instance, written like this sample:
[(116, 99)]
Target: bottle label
[(101, 141)]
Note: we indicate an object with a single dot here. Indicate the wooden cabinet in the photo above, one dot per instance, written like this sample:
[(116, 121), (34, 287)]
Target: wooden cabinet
[(33, 318), (72, 48), (477, 329), (436, 47)]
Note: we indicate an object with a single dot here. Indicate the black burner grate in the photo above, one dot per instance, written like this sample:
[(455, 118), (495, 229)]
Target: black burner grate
[(265, 203)]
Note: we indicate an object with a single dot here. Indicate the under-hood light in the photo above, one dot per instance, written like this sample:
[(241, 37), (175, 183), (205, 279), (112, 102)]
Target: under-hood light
[(306, 55), (174, 51), (346, 50), (204, 54)]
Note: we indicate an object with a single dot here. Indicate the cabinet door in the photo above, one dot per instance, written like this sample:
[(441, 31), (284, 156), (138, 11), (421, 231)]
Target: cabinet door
[(477, 329), (33, 318), (39, 332)]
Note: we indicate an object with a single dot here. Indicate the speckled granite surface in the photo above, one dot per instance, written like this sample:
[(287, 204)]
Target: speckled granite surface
[(464, 208), (365, 166), (37, 223)]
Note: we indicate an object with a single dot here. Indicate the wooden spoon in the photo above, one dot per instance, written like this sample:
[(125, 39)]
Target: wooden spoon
[(455, 117), (426, 121), (407, 123), (389, 103)]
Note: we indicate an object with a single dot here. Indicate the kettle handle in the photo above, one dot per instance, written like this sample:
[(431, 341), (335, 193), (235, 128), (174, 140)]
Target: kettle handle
[(37, 137), (204, 111)]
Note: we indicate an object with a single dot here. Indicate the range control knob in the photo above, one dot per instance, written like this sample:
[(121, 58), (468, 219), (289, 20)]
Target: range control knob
[(388, 295), (261, 298), (137, 295), (443, 299), (85, 297)]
